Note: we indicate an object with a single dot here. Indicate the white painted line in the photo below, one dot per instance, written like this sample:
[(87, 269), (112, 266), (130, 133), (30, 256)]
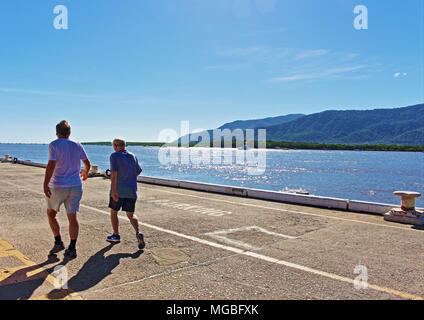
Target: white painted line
[(269, 259), (167, 272), (189, 207), (268, 208), (283, 210), (227, 231), (220, 235), (257, 255), (236, 243)]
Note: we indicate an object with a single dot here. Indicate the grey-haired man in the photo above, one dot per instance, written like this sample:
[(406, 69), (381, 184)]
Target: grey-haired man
[(124, 169)]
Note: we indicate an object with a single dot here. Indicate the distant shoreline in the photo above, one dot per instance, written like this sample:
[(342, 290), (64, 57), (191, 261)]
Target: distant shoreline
[(291, 146), (142, 144)]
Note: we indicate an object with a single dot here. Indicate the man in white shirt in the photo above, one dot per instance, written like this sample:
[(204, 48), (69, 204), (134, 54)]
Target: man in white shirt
[(62, 185)]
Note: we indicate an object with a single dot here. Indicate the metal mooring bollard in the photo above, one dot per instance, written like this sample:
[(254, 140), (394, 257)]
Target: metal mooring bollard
[(408, 199), (94, 169), (407, 212)]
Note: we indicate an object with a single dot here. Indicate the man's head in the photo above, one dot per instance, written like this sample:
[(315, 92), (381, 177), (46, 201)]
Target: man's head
[(119, 144), (63, 129)]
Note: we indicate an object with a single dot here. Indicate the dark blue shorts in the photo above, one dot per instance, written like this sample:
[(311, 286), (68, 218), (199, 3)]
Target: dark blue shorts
[(126, 204)]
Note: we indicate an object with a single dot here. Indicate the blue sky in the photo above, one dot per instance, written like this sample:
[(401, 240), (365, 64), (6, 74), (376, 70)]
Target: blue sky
[(131, 68)]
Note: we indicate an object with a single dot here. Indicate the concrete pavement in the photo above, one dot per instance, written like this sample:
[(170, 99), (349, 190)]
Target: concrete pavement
[(205, 246)]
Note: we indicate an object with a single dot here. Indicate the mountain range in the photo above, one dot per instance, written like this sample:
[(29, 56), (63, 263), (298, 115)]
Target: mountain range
[(400, 126)]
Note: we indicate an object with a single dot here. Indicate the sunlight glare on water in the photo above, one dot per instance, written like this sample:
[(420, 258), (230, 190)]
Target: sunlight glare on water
[(355, 175)]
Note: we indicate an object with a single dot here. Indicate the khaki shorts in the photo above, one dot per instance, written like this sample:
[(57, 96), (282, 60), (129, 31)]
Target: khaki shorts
[(70, 197)]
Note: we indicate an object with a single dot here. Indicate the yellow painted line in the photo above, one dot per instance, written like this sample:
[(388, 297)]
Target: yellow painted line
[(7, 253), (7, 250), (5, 245), (261, 256), (11, 274), (6, 273), (15, 253)]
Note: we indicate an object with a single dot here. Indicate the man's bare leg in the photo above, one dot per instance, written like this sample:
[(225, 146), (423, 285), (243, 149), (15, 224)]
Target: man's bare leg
[(134, 220), (115, 221), (73, 226), (54, 225), (71, 252)]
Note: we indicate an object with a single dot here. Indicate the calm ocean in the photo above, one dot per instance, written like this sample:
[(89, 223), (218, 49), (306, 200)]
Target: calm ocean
[(355, 175)]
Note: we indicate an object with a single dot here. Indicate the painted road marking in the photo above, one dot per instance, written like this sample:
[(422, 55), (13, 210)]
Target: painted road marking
[(221, 235), (8, 276), (260, 207), (268, 259), (284, 210), (189, 207), (258, 256), (164, 273)]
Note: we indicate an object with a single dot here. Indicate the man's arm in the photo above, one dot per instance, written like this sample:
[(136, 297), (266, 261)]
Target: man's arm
[(87, 166), (113, 177), (113, 185), (139, 170), (49, 173)]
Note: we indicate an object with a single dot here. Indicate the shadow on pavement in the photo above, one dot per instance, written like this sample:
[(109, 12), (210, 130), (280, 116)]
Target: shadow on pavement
[(20, 286), (418, 227), (93, 271)]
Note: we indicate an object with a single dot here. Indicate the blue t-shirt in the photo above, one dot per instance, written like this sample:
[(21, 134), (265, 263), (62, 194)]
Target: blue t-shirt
[(68, 155), (126, 165)]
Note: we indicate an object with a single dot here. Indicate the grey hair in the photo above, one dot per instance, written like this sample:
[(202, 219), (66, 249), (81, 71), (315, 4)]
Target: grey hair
[(119, 142)]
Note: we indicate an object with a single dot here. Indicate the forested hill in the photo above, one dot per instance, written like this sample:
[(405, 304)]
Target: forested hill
[(398, 126), (402, 126), (260, 123)]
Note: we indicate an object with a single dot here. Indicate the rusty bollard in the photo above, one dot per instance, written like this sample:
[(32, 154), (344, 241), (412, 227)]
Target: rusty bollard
[(407, 213)]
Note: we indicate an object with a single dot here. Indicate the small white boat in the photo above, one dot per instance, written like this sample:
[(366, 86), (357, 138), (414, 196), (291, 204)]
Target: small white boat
[(296, 191)]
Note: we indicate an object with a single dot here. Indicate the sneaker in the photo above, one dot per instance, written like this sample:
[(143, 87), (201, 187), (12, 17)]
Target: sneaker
[(57, 248), (71, 253), (140, 239), (114, 238)]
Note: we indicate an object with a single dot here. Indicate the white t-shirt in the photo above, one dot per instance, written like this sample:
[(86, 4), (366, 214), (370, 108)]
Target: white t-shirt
[(68, 155)]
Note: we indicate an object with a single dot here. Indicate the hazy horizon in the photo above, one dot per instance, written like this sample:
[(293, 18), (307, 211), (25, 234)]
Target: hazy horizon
[(193, 131)]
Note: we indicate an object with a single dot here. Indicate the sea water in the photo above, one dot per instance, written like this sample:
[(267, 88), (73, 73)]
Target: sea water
[(355, 175)]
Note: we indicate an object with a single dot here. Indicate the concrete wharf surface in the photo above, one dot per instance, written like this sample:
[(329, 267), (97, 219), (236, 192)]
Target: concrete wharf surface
[(203, 246)]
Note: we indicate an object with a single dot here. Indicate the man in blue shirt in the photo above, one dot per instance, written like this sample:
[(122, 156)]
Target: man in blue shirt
[(124, 169)]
